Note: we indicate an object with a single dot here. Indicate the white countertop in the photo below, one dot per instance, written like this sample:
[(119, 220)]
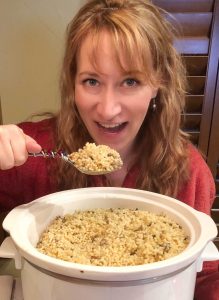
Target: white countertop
[(10, 288)]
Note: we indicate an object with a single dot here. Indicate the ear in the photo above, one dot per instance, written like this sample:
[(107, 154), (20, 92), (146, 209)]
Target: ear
[(154, 92)]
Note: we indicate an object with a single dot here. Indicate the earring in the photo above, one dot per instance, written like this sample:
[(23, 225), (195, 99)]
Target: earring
[(154, 105)]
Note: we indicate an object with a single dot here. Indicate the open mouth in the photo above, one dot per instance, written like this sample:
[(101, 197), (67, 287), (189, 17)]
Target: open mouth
[(112, 128)]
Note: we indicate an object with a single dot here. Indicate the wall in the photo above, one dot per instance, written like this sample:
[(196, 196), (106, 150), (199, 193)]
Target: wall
[(31, 48)]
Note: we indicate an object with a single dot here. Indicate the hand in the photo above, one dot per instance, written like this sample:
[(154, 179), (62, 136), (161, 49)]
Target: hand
[(14, 146)]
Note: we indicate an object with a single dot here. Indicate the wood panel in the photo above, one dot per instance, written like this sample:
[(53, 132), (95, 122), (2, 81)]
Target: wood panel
[(216, 202), (192, 122), (198, 42), (196, 65), (213, 151), (192, 45), (211, 77), (213, 155), (194, 103), (186, 23), (185, 5)]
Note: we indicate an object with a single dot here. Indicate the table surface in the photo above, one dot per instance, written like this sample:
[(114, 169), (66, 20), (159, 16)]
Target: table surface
[(10, 288), (10, 283), (7, 267)]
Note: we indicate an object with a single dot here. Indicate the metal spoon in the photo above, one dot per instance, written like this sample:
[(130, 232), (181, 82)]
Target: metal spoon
[(67, 159)]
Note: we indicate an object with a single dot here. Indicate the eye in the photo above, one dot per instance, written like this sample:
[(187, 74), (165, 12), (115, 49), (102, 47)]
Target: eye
[(90, 82), (131, 82)]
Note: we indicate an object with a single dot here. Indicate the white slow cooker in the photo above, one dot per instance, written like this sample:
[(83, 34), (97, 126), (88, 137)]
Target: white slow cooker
[(47, 278)]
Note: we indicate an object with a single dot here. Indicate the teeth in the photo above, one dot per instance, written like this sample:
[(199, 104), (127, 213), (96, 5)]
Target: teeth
[(110, 125)]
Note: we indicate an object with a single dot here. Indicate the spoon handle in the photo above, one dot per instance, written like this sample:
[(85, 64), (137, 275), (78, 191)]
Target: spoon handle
[(50, 154)]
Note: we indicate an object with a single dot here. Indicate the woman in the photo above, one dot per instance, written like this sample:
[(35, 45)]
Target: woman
[(122, 84)]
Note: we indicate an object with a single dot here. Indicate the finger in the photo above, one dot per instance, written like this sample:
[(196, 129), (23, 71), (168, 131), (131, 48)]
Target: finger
[(32, 145), (26, 144)]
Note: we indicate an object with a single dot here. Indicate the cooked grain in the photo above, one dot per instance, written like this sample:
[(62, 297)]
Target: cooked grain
[(99, 158), (113, 237)]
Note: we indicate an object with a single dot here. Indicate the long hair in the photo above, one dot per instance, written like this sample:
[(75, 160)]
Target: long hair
[(141, 30)]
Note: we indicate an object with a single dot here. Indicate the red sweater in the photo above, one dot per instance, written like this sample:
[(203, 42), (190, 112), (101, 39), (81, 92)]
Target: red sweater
[(31, 180)]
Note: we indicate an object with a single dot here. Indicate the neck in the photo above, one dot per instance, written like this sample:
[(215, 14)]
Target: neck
[(116, 178)]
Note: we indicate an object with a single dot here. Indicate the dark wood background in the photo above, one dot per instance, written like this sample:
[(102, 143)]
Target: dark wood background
[(198, 42)]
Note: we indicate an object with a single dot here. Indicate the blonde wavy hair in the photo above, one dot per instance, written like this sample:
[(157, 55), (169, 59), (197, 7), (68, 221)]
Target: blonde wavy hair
[(141, 29)]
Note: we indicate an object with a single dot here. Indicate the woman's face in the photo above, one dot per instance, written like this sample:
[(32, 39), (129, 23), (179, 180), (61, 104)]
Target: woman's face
[(111, 103)]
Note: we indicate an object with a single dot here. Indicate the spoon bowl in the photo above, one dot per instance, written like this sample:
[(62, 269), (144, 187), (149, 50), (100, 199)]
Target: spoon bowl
[(86, 171), (76, 158)]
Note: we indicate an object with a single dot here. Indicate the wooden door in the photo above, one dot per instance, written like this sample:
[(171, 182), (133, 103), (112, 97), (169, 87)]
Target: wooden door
[(198, 42)]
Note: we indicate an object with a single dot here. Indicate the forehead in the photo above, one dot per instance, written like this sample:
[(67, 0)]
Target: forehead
[(95, 48), (99, 48)]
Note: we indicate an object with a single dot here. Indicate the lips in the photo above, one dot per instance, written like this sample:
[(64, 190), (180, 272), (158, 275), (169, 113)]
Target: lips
[(112, 128)]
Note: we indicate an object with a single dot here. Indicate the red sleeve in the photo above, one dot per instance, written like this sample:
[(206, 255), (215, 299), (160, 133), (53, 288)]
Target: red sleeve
[(30, 181), (199, 192)]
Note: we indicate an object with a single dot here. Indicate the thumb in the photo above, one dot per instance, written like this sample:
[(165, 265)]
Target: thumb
[(32, 145)]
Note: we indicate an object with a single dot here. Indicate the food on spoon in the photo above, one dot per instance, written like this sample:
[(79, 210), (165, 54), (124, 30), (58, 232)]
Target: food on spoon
[(96, 158), (113, 237)]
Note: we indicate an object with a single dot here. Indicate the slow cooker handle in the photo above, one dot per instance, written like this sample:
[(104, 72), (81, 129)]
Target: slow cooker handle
[(209, 228), (209, 253), (8, 250)]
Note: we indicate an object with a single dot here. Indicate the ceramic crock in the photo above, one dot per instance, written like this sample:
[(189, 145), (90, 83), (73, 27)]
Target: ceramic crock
[(47, 278)]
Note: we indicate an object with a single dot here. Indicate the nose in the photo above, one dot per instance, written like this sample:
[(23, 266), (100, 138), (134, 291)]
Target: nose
[(109, 104)]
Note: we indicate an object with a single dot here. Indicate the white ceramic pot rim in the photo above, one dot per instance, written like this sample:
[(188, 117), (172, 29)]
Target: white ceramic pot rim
[(201, 227)]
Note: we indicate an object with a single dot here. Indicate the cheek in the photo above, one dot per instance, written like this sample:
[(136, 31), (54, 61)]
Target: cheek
[(84, 101), (142, 100), (80, 100), (141, 108)]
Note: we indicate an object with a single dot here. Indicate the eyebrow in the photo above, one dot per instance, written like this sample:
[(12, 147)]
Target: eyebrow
[(131, 73), (87, 73)]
